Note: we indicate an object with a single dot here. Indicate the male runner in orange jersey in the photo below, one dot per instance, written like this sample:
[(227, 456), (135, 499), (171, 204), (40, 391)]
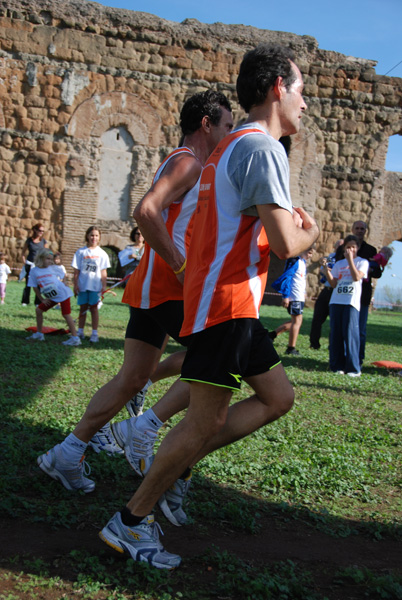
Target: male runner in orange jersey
[(155, 289), (244, 210)]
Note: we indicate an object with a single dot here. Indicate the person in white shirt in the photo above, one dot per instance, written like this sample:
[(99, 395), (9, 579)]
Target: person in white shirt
[(294, 302), (48, 281), (4, 273), (90, 264), (346, 278)]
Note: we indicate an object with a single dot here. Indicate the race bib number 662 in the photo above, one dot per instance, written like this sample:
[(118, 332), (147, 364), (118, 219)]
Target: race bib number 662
[(345, 288)]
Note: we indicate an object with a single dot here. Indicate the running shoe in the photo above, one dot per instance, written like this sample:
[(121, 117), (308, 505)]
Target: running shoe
[(135, 405), (352, 374), (74, 340), (40, 337), (71, 476), (141, 542), (103, 441), (292, 352), (171, 502), (94, 339), (81, 335), (138, 447)]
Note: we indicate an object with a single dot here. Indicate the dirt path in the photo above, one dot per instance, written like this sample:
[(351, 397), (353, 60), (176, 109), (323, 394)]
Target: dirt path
[(318, 553)]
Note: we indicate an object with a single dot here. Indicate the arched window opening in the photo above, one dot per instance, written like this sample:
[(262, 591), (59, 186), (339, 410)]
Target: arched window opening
[(388, 291), (115, 174), (394, 155), (115, 271)]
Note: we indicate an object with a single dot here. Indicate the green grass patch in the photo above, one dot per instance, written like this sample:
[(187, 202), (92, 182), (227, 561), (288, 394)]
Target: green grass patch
[(333, 464)]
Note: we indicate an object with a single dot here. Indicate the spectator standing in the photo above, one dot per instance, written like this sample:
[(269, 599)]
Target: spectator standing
[(34, 243), (346, 279), (359, 229), (90, 264), (131, 255), (4, 273)]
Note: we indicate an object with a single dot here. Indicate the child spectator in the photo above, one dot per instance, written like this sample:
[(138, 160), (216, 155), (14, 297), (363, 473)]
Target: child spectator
[(381, 259), (90, 263), (48, 282), (4, 273), (57, 262), (293, 290), (346, 279)]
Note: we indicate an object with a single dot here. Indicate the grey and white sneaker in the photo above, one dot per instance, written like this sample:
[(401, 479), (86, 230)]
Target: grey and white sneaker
[(39, 337), (135, 405), (71, 476), (141, 542), (74, 340), (103, 441), (94, 339), (138, 447), (171, 502)]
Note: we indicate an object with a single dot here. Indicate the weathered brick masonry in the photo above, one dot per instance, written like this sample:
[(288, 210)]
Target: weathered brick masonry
[(84, 87)]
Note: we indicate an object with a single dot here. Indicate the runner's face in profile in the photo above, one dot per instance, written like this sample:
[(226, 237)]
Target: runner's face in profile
[(225, 126), (292, 105)]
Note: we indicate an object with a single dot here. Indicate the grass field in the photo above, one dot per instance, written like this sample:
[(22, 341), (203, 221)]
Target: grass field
[(331, 467)]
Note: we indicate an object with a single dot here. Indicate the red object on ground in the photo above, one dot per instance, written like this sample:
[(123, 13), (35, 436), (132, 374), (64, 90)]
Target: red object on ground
[(49, 330), (388, 364)]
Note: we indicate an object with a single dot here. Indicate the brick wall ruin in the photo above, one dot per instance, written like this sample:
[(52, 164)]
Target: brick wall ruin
[(80, 82)]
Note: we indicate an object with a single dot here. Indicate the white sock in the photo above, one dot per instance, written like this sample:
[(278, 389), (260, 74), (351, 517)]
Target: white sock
[(148, 422), (94, 332), (73, 448), (80, 330)]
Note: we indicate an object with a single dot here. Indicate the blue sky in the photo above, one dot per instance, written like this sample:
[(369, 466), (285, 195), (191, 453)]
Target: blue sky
[(362, 28)]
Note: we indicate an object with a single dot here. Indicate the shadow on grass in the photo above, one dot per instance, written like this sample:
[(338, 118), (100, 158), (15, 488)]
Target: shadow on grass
[(231, 537)]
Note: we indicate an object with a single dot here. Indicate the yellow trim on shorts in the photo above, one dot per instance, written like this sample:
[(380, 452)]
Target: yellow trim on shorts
[(275, 365), (228, 387)]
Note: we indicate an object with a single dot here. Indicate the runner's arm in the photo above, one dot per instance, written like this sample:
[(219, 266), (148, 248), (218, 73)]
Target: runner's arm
[(286, 237), (179, 176)]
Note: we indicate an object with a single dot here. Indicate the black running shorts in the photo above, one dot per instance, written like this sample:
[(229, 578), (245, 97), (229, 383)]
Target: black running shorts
[(225, 354), (151, 325)]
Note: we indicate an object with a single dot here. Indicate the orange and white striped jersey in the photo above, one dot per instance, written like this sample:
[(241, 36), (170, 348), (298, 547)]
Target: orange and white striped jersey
[(228, 257), (153, 281)]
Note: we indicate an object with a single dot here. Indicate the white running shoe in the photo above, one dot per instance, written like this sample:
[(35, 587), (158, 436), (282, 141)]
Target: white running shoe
[(74, 340), (141, 542), (40, 337), (94, 339), (352, 374), (103, 441), (138, 447), (171, 502), (135, 405), (71, 476)]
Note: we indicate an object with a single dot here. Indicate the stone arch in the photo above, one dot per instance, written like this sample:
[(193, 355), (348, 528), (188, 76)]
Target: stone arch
[(91, 120), (113, 109), (386, 217)]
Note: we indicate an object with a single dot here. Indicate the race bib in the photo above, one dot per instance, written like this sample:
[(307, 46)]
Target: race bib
[(90, 266), (345, 288), (49, 291)]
